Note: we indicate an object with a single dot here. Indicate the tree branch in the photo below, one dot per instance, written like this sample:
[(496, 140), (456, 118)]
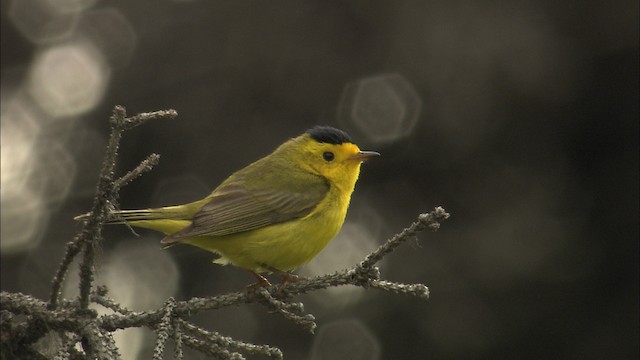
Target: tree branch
[(26, 319)]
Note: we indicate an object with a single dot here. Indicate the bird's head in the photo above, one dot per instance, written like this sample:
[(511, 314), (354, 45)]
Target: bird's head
[(330, 153)]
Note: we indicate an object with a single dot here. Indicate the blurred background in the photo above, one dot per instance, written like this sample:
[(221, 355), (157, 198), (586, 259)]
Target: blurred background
[(518, 117)]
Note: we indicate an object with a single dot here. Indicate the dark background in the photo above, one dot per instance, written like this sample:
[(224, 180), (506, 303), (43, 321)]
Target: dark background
[(527, 133)]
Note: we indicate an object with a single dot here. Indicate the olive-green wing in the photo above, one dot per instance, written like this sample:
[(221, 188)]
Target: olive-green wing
[(237, 207)]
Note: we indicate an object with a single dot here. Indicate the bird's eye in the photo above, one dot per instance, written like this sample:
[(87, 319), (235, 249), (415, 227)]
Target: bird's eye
[(328, 156)]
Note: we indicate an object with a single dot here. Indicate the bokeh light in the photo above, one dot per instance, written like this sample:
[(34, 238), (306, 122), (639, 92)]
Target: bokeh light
[(110, 33), (384, 108), (19, 132), (24, 218), (140, 276), (23, 212), (345, 339), (68, 79), (37, 172), (43, 20), (151, 274)]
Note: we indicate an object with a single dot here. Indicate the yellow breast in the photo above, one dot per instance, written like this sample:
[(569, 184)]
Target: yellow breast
[(283, 246)]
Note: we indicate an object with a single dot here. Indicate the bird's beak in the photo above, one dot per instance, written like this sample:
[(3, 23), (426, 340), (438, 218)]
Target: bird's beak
[(364, 155)]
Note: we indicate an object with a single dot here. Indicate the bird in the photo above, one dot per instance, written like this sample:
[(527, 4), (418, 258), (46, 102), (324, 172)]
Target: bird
[(273, 215)]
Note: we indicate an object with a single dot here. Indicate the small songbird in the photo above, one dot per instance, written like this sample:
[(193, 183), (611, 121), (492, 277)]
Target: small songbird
[(272, 216)]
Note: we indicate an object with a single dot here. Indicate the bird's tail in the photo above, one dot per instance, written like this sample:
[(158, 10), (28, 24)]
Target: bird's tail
[(167, 220), (123, 216)]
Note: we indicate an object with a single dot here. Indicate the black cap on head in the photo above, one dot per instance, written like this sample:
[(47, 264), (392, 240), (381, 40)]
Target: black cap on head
[(328, 134)]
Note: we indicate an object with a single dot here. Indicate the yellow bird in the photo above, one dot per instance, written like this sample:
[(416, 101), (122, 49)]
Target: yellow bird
[(273, 215)]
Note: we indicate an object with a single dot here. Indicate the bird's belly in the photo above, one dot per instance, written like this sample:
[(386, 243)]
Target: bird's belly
[(283, 246)]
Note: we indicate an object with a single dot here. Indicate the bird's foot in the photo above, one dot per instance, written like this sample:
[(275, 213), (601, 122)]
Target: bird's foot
[(262, 282), (286, 279)]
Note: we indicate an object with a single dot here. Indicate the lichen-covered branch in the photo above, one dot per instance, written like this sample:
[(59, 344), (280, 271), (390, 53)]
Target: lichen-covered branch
[(24, 319), (104, 200)]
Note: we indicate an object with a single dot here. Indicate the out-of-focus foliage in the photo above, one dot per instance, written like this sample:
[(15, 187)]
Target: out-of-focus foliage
[(520, 118)]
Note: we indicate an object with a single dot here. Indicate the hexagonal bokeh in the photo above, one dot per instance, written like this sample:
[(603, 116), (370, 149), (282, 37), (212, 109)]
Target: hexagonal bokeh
[(383, 108)]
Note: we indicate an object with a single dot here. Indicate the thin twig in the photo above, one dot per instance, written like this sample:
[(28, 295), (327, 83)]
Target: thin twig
[(72, 249), (418, 290), (213, 337), (145, 166), (98, 343), (289, 311), (92, 232), (164, 328), (139, 119), (177, 339), (431, 220), (109, 303), (213, 350)]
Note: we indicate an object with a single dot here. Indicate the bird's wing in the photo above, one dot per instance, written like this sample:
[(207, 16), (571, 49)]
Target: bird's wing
[(235, 208)]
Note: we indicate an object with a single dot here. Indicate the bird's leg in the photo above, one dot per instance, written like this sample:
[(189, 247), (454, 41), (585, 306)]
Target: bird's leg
[(262, 281), (286, 277)]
